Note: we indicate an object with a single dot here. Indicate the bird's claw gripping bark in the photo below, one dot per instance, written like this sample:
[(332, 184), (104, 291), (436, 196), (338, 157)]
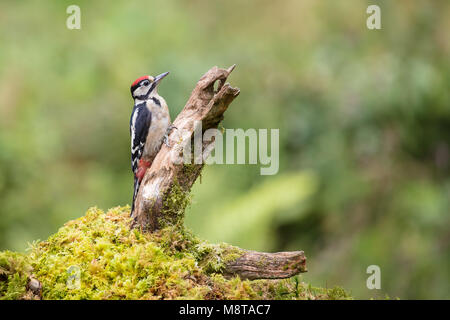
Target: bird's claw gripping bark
[(166, 140), (166, 136), (170, 128)]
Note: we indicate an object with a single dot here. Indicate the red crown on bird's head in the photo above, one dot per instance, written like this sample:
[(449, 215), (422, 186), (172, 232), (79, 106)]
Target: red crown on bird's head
[(138, 80)]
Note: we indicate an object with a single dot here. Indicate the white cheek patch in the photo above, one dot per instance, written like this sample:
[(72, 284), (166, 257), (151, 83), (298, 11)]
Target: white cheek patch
[(141, 91)]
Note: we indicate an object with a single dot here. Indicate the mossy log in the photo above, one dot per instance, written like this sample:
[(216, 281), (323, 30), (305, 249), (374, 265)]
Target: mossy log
[(162, 197)]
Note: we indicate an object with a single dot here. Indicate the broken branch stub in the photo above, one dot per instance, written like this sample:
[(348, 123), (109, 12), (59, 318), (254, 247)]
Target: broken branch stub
[(253, 265)]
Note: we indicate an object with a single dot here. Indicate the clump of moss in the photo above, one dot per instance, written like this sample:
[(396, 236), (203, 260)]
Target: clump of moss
[(14, 271), (213, 257), (174, 206), (98, 257)]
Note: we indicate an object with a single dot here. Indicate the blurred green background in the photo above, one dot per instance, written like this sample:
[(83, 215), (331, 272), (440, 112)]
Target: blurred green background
[(364, 119)]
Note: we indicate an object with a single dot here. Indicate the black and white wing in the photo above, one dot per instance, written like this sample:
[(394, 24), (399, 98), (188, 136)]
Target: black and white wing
[(140, 121)]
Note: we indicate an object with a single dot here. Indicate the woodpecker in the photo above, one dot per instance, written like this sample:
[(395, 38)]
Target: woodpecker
[(149, 126)]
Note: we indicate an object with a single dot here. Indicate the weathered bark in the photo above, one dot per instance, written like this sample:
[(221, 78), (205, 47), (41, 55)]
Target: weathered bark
[(156, 206), (261, 265)]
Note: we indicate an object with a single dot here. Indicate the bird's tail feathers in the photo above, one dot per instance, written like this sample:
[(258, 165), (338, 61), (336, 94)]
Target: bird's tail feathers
[(135, 192)]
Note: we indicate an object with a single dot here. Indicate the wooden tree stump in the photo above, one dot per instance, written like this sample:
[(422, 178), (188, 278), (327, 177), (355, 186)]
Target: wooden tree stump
[(161, 199)]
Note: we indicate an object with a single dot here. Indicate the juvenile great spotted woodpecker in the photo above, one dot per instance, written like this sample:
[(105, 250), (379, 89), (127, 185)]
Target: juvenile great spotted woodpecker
[(149, 126)]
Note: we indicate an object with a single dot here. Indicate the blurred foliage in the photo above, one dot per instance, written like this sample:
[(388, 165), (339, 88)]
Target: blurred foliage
[(364, 120)]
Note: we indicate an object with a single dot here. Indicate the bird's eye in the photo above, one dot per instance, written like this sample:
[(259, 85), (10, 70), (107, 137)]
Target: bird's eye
[(145, 83)]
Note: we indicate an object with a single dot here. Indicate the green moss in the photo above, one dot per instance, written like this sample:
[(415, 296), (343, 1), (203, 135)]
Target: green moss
[(174, 206), (98, 257), (14, 272), (190, 170), (213, 257)]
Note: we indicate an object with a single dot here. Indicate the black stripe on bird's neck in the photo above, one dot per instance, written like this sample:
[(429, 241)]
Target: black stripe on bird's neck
[(156, 101)]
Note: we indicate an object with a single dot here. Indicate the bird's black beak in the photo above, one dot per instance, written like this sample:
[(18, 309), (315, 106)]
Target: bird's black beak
[(158, 78)]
